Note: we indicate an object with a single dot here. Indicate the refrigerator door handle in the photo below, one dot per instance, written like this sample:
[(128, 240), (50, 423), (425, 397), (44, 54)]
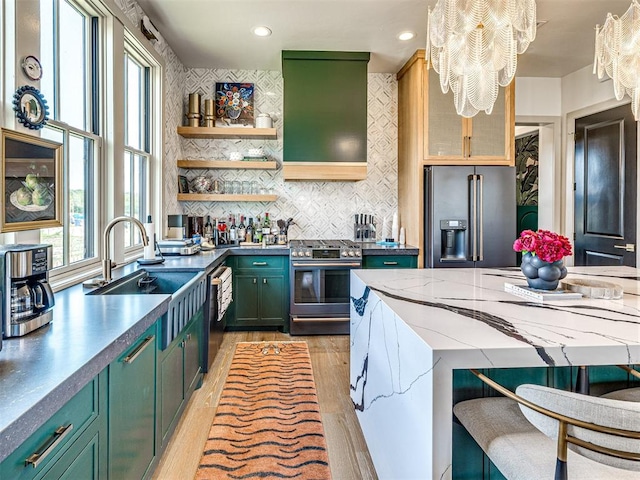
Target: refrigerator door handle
[(480, 218), (473, 205)]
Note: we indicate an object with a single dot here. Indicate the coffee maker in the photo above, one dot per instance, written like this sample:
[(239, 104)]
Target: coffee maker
[(26, 296)]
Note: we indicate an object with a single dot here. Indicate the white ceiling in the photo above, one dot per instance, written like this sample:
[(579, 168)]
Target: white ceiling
[(217, 33)]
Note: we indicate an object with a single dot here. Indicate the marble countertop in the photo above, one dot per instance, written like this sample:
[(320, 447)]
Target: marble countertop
[(467, 318)]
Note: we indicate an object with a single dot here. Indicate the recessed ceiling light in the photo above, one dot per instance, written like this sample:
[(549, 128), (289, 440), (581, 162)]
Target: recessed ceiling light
[(262, 31), (404, 36)]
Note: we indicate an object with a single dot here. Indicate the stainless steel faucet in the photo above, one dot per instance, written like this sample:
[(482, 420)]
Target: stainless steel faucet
[(106, 261)]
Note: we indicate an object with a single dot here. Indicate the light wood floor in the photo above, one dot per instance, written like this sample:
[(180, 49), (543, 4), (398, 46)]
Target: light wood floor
[(348, 454)]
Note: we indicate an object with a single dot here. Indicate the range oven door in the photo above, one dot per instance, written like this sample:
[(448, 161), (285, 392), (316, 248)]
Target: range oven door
[(320, 292)]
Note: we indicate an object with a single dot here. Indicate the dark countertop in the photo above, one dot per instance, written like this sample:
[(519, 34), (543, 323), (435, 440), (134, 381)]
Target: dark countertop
[(371, 248)]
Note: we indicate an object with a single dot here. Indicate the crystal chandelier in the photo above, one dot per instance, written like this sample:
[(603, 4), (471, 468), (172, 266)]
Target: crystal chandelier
[(618, 53), (473, 45)]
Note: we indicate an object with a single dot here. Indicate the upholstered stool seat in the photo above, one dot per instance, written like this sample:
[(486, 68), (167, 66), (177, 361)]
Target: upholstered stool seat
[(520, 450), (628, 395)]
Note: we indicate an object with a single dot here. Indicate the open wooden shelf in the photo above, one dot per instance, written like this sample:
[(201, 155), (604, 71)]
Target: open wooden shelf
[(238, 165), (216, 197), (231, 132)]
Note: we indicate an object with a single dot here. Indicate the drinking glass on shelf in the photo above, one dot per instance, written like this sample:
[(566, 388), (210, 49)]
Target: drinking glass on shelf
[(246, 188), (255, 188), (237, 187)]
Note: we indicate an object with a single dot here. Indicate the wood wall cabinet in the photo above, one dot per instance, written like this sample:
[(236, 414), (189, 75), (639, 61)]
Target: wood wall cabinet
[(431, 133)]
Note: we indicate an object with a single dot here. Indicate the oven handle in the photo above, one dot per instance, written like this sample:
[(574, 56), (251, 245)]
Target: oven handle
[(319, 319), (326, 264)]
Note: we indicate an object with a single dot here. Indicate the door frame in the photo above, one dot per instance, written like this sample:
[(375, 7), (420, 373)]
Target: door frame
[(569, 146), (550, 197)]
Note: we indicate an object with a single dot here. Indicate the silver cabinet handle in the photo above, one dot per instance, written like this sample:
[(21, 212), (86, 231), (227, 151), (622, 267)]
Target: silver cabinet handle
[(255, 280), (188, 337), (264, 280), (389, 263), (259, 264), (60, 433), (136, 353), (629, 247), (480, 217), (474, 216)]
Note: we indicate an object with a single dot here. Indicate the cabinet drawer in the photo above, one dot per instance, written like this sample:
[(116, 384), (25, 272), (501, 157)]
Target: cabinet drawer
[(262, 262), (390, 261), (54, 437)]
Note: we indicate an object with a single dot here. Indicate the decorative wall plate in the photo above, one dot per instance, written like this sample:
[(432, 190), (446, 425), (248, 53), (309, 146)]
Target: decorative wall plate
[(32, 68), (30, 107)]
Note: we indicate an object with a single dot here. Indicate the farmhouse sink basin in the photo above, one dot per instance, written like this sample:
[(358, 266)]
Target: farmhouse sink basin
[(143, 282), (188, 292)]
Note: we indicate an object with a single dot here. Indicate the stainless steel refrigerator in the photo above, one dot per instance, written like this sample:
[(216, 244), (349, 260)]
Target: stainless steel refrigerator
[(470, 216)]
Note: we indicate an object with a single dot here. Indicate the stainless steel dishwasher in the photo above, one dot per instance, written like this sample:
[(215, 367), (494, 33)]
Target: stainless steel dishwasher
[(220, 296)]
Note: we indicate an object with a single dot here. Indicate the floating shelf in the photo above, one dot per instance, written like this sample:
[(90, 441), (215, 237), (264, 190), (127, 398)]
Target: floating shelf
[(216, 197), (231, 132), (238, 165)]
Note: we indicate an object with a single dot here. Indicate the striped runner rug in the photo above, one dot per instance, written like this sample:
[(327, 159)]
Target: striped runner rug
[(268, 423)]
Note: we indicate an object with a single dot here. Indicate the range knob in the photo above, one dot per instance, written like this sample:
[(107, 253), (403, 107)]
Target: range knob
[(344, 253), (294, 253), (307, 253), (351, 254), (357, 253)]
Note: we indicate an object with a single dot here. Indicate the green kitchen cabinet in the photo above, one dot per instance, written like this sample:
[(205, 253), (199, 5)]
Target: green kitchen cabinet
[(180, 373), (71, 444), (132, 407), (261, 292), (390, 261)]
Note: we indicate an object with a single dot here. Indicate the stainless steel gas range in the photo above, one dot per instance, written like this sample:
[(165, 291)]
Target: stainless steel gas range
[(319, 283)]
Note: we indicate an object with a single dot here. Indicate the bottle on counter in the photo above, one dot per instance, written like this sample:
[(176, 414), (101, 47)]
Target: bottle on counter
[(208, 230), (257, 231), (266, 225), (249, 234), (233, 231), (242, 230)]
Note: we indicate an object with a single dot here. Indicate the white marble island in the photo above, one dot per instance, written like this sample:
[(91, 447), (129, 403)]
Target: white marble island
[(411, 328)]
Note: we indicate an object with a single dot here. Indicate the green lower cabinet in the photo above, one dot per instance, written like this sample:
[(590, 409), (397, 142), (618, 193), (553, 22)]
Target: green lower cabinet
[(132, 404), (180, 373), (71, 444), (260, 292), (390, 261)]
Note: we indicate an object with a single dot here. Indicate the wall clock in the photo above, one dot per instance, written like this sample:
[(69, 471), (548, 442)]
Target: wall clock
[(32, 68), (30, 107)]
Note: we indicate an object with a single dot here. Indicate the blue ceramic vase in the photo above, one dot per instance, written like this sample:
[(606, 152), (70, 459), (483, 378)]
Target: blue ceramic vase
[(540, 274)]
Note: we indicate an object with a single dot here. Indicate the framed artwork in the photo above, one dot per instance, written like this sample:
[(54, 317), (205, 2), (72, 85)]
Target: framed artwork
[(32, 182), (234, 104), (183, 184)]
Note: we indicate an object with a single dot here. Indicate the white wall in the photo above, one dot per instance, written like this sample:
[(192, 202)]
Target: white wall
[(538, 96), (582, 89)]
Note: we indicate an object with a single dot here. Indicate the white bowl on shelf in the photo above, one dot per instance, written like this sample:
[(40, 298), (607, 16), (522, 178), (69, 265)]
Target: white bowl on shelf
[(235, 156)]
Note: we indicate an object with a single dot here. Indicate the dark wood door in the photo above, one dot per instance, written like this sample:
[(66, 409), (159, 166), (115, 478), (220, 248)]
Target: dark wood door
[(605, 189)]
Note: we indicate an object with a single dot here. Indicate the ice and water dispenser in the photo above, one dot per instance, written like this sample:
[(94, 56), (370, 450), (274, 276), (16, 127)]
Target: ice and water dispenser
[(454, 234)]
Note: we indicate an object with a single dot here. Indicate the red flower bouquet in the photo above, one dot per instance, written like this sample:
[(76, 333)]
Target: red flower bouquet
[(548, 246)]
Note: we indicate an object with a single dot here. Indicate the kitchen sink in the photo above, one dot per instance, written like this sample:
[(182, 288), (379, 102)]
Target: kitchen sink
[(188, 292), (143, 282)]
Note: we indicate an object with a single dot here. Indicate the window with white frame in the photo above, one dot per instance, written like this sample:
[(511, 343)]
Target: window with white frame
[(137, 149), (69, 53)]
